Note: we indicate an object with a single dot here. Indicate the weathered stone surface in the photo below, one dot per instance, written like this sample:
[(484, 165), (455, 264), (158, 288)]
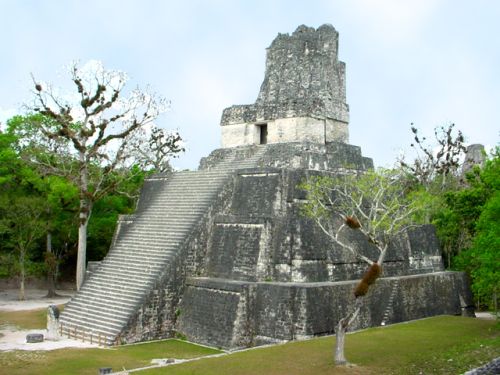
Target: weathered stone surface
[(491, 368), (52, 323), (219, 312), (475, 155), (302, 97), (333, 156)]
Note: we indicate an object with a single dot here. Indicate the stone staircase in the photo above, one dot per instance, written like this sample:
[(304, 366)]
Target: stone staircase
[(390, 303), (111, 296)]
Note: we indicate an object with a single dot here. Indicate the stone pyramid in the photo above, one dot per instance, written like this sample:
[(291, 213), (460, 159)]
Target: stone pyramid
[(222, 255)]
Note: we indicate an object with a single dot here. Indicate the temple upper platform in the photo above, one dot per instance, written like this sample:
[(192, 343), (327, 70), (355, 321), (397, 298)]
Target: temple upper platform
[(302, 97)]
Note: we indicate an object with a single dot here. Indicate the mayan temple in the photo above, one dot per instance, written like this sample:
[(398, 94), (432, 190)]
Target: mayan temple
[(222, 256)]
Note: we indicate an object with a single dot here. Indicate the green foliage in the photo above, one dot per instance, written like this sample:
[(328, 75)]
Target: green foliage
[(468, 227), (377, 200), (103, 221), (482, 259), (485, 253), (27, 161), (465, 213)]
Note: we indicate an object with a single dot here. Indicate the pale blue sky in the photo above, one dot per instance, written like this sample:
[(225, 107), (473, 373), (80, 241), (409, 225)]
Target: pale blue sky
[(430, 62)]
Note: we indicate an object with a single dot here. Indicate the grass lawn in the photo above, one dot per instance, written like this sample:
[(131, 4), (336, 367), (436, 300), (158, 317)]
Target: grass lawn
[(440, 345), (25, 319), (88, 361)]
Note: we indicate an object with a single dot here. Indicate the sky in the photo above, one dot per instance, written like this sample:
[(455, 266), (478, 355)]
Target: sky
[(427, 62)]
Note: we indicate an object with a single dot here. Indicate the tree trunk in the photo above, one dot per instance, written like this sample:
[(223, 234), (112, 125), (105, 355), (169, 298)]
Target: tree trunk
[(85, 207), (342, 327), (82, 250), (339, 358), (22, 295), (51, 272)]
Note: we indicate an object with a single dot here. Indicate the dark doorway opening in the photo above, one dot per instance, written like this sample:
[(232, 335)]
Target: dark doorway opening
[(262, 133)]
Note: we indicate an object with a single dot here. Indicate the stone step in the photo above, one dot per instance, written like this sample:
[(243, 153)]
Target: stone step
[(176, 203), (120, 301), (166, 239), (126, 267), (158, 222), (116, 280), (102, 307), (106, 328), (110, 274), (116, 291), (112, 319), (148, 231), (168, 207), (149, 250), (129, 246), (106, 325), (109, 285), (167, 217), (141, 263), (118, 272), (193, 184), (159, 217), (155, 252)]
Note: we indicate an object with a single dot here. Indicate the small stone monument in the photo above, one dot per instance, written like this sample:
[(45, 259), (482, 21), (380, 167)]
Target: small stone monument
[(52, 323)]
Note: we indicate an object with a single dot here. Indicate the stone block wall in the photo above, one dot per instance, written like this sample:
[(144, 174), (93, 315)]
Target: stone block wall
[(235, 314), (263, 236)]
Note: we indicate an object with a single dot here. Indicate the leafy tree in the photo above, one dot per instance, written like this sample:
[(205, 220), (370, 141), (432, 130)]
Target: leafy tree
[(91, 137), (375, 204), (479, 204), (21, 219), (483, 258), (60, 193), (62, 201), (21, 207)]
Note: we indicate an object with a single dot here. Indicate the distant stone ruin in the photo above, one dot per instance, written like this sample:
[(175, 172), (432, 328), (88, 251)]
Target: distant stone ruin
[(474, 155), (222, 256)]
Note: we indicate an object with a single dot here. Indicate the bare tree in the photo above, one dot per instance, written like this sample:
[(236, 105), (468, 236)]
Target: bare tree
[(156, 148), (374, 204), (96, 125), (440, 160)]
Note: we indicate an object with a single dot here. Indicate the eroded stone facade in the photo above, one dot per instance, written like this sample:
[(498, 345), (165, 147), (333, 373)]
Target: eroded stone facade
[(302, 97)]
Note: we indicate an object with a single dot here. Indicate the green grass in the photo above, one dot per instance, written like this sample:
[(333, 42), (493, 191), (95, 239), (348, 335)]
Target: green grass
[(88, 361), (439, 345), (25, 319)]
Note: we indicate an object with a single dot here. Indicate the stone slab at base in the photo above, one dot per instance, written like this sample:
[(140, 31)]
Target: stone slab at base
[(33, 338)]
